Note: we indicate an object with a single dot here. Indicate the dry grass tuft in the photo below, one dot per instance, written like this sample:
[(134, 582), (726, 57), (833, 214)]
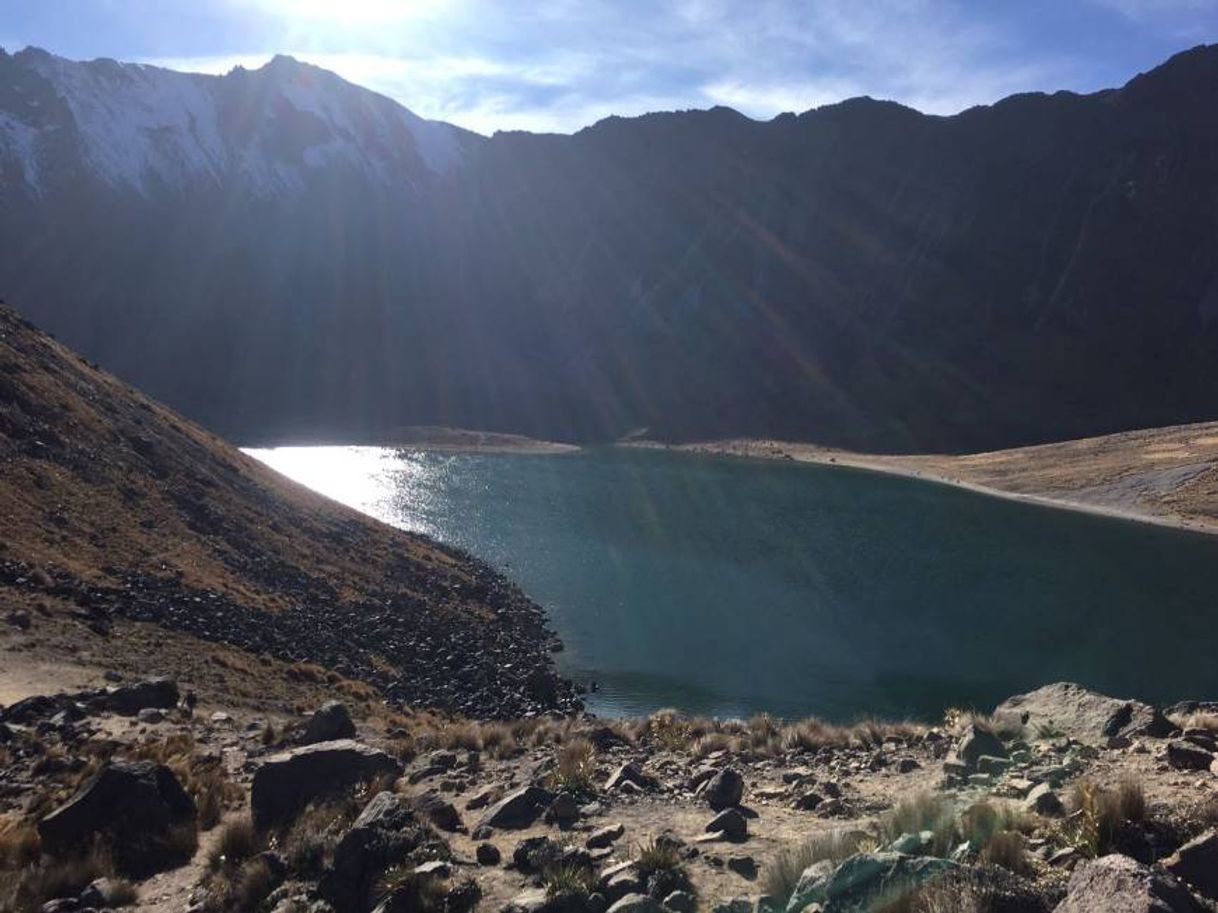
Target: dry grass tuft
[(1099, 812), (1206, 721), (781, 875), (1008, 849), (26, 890), (252, 886), (237, 842), (19, 844), (576, 765), (656, 856)]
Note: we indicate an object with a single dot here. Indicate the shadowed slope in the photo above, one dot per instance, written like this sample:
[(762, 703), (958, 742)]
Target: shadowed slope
[(118, 502)]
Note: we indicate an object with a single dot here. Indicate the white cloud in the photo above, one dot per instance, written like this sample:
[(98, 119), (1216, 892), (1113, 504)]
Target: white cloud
[(559, 65)]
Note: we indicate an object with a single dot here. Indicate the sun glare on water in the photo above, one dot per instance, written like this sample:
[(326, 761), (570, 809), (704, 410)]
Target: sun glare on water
[(373, 480)]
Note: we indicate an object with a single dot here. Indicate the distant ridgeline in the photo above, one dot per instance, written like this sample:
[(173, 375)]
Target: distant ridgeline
[(280, 254)]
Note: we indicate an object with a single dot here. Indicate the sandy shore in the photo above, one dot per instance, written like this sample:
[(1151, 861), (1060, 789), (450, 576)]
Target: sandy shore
[(1164, 476)]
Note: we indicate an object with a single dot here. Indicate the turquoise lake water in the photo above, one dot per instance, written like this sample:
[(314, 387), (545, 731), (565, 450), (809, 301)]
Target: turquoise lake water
[(732, 587)]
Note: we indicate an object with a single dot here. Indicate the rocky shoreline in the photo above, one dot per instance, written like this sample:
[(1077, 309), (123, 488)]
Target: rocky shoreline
[(388, 640)]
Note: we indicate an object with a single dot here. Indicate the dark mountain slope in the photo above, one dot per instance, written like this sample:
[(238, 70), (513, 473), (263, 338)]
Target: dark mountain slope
[(861, 274), (113, 501)]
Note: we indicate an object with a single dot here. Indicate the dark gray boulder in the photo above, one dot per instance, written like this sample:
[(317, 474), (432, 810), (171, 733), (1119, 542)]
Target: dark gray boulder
[(1184, 755), (518, 809), (976, 743), (1196, 864), (1118, 884), (288, 781), (129, 700), (331, 721), (383, 835), (724, 789), (439, 811), (138, 806), (729, 822)]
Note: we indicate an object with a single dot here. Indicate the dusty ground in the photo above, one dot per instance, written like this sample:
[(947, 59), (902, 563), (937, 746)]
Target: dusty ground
[(1167, 476), (59, 653)]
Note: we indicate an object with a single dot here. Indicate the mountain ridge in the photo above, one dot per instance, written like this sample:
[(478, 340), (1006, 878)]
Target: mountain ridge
[(859, 275)]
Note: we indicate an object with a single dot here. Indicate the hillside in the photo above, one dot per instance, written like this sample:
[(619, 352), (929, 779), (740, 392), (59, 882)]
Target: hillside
[(1161, 475), (280, 254), (117, 508)]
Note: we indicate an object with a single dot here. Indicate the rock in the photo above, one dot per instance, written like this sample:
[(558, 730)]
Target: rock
[(907, 765), (605, 738), (630, 772), (382, 836), (102, 893), (128, 700), (637, 903), (1065, 858), (530, 900), (518, 809), (138, 806), (1196, 864), (487, 854), (439, 811), (730, 823), (724, 789), (331, 721), (1084, 715), (537, 854), (436, 868), (911, 844), (681, 902), (862, 877), (563, 811), (976, 743), (1042, 800), (987, 764), (150, 715), (606, 836), (1118, 884), (807, 802), (481, 799), (1184, 755), (288, 781), (744, 866)]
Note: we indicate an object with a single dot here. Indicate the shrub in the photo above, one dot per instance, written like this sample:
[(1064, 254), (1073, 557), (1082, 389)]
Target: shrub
[(48, 879), (576, 766), (657, 856), (1008, 850), (19, 844), (1098, 812), (936, 896), (237, 842), (401, 889), (123, 893), (252, 886), (923, 811), (668, 730), (567, 880), (308, 843)]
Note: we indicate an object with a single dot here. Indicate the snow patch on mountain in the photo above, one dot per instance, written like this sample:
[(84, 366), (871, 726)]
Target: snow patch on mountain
[(265, 129), (138, 122)]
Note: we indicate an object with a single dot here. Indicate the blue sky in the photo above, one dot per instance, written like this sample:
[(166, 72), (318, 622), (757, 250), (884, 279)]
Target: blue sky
[(562, 64)]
